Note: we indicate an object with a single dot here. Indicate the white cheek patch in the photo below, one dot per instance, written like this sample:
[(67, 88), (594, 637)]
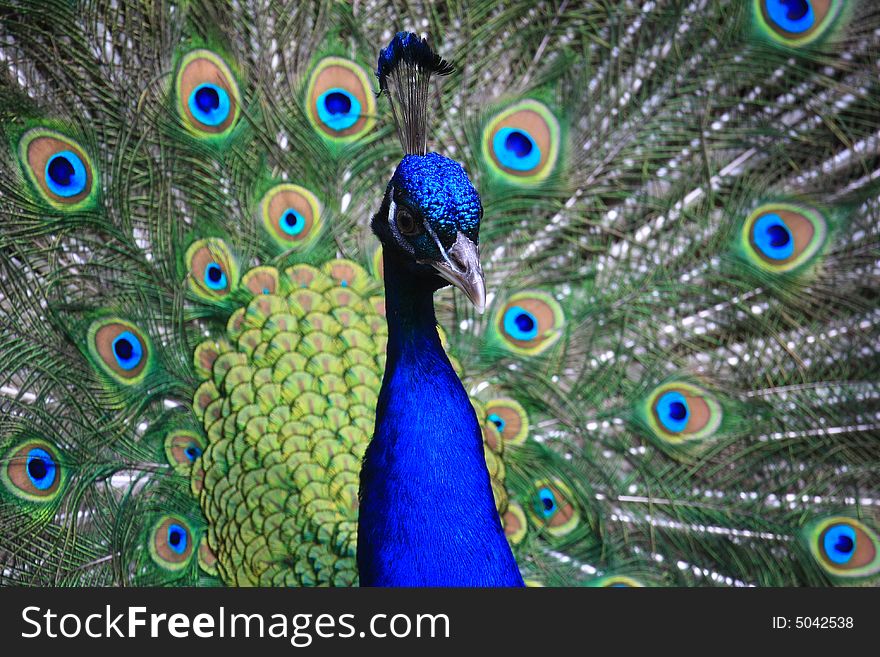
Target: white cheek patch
[(437, 242)]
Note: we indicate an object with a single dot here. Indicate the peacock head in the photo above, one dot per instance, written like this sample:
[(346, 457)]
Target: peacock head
[(430, 217)]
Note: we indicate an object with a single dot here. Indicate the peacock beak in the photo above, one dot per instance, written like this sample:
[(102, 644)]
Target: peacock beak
[(461, 267)]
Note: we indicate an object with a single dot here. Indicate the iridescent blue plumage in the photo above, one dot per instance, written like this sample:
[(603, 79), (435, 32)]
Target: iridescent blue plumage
[(672, 410), (127, 350), (840, 543), (794, 16), (773, 237), (427, 513), (520, 324), (441, 190), (516, 149), (339, 109), (65, 174), (40, 468), (678, 362), (209, 104), (215, 279), (177, 538)]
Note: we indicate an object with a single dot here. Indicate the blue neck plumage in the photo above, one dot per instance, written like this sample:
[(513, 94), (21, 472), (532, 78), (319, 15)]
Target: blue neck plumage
[(427, 514)]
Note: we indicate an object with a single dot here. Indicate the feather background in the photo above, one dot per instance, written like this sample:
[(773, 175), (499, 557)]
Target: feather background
[(627, 266)]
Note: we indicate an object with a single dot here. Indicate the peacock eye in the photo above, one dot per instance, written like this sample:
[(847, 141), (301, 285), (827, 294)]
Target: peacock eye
[(520, 323), (530, 322), (545, 503), (33, 471), (844, 547), (339, 100), (783, 237), (214, 276), (839, 543), (797, 22), (120, 349), (182, 448), (292, 222), (211, 267), (407, 224), (338, 109), (521, 143), (59, 168), (209, 104), (551, 508), (208, 96), (171, 544), (127, 350), (510, 418), (177, 538), (498, 421), (680, 412), (291, 215), (66, 174)]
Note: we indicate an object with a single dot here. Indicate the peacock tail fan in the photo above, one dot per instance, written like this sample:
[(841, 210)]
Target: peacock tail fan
[(676, 372)]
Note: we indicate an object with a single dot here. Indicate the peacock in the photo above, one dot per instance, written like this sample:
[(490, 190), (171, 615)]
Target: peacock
[(460, 294)]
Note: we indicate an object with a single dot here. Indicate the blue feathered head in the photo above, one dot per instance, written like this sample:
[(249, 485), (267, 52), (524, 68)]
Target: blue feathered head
[(431, 212)]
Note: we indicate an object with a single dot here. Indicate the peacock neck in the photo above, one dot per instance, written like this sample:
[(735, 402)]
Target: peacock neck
[(427, 514), (409, 308)]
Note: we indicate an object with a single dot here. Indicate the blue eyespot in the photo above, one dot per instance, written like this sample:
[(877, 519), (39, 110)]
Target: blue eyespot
[(292, 222), (793, 16), (516, 150), (546, 505), (338, 109), (773, 237), (498, 421), (209, 104), (128, 350), (214, 276), (337, 102), (520, 324), (672, 411), (193, 452), (66, 174), (840, 543), (41, 468), (177, 538)]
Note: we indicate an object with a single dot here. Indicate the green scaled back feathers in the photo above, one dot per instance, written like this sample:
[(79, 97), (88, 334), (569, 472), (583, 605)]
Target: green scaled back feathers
[(677, 369)]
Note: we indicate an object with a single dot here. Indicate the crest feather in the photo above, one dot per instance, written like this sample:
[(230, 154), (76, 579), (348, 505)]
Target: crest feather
[(404, 69)]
